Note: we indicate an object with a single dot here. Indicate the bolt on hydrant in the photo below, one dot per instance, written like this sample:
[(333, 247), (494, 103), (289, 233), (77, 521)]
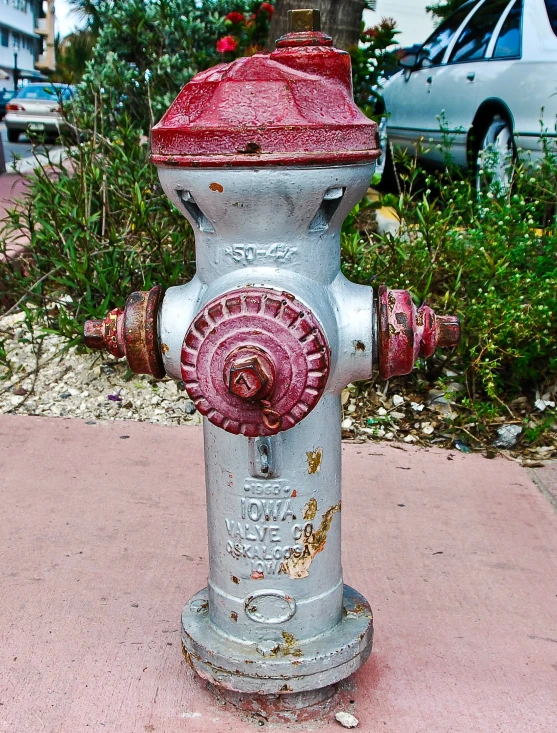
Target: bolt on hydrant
[(266, 156)]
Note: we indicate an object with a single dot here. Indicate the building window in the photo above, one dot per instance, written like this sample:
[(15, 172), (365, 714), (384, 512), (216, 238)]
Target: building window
[(5, 37)]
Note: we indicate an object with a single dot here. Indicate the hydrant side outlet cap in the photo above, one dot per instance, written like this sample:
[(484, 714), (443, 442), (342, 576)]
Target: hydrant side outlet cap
[(291, 107)]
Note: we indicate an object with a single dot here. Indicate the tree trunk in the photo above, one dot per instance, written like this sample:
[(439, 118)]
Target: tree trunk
[(341, 19)]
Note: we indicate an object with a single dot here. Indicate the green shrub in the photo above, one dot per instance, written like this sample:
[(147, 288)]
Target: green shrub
[(482, 257), (148, 49), (370, 60), (98, 226)]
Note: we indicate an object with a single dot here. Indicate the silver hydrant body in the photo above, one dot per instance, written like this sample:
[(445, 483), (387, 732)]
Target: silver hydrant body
[(266, 157)]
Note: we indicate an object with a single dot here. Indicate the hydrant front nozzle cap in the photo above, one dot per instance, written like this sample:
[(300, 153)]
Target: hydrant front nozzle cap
[(303, 20)]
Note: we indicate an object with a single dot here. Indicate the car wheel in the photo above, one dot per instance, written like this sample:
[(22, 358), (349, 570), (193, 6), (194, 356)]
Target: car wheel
[(13, 135), (495, 157), (390, 182)]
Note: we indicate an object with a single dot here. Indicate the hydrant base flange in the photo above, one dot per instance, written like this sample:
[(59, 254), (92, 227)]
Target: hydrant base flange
[(287, 665), (292, 708)]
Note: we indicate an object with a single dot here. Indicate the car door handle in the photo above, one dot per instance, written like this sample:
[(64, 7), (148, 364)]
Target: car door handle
[(471, 75)]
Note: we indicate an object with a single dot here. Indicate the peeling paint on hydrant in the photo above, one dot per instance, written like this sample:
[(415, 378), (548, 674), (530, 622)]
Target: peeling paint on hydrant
[(266, 156)]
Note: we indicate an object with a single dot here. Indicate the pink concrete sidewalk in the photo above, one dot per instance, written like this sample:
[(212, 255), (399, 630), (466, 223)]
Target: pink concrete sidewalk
[(12, 187), (104, 540), (546, 480)]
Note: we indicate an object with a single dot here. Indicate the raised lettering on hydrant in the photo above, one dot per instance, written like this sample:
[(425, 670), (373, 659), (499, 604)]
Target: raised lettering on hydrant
[(266, 156)]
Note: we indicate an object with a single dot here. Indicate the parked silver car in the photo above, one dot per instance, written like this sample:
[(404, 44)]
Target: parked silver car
[(489, 74), (38, 108)]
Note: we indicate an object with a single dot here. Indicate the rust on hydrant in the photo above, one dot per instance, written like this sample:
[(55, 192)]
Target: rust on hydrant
[(249, 373), (407, 332), (131, 332)]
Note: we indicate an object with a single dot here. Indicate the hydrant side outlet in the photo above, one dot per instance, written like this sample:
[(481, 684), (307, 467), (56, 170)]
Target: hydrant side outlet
[(131, 332), (266, 157)]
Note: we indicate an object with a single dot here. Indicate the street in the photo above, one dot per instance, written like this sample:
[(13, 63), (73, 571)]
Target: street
[(21, 149)]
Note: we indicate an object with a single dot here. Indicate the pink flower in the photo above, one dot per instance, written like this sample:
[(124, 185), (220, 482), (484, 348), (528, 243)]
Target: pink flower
[(268, 8), (228, 43), (235, 17)]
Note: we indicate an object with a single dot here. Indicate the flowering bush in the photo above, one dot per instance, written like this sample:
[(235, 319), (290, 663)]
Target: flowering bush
[(228, 44), (248, 31), (235, 17), (146, 51), (370, 60)]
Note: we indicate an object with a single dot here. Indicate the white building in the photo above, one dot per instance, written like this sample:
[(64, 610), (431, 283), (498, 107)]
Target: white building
[(26, 40)]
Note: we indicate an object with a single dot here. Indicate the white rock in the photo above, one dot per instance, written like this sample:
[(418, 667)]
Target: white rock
[(409, 439), (381, 411), (347, 720), (507, 436), (346, 424), (351, 408), (73, 391), (542, 404), (416, 406), (428, 429), (397, 400), (171, 387)]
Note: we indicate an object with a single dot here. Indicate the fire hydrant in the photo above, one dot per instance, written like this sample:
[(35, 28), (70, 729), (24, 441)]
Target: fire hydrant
[(266, 156)]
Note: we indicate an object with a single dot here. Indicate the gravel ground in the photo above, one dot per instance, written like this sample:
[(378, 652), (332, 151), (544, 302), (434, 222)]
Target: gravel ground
[(46, 380)]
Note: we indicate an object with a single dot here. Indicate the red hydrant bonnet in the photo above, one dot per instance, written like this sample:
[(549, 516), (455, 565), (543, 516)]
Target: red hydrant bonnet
[(291, 107)]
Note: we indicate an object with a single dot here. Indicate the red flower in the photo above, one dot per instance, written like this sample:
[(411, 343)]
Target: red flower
[(268, 8), (387, 24), (228, 43), (235, 17)]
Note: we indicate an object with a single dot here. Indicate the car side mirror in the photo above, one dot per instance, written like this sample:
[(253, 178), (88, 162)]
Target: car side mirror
[(415, 61), (409, 62)]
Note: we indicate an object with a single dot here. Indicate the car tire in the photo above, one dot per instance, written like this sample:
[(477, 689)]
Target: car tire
[(13, 135), (390, 182), (495, 156)]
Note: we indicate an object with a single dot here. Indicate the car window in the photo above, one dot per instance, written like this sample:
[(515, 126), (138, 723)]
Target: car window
[(551, 7), (434, 48), (43, 92), (474, 39), (508, 43)]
